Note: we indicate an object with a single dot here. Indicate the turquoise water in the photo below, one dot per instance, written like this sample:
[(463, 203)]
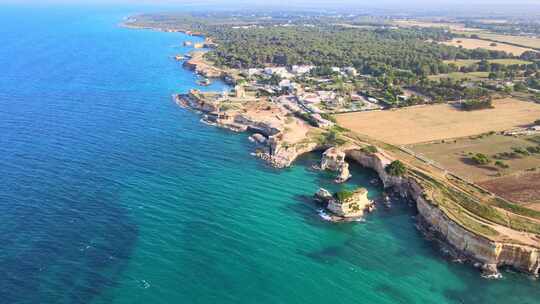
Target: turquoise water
[(111, 193)]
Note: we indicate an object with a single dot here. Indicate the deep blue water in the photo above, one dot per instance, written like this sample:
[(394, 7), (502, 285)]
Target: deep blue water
[(110, 193)]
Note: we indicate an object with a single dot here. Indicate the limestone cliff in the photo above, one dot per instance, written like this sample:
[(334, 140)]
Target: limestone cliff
[(282, 156), (464, 243)]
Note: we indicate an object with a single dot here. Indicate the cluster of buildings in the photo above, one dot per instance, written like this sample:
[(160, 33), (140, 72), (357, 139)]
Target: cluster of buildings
[(282, 72), (313, 99)]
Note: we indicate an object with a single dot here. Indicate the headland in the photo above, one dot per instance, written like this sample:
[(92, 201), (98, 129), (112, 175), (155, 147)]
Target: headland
[(471, 223)]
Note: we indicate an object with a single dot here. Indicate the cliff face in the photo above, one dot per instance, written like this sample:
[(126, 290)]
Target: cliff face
[(490, 254), (463, 242), (281, 156)]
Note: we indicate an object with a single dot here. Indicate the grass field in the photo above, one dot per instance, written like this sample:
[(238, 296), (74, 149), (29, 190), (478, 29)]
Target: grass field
[(435, 122), (469, 43), (455, 155), (467, 62), (460, 75)]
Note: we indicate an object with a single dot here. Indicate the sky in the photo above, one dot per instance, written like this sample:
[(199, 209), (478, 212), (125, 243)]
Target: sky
[(298, 2), (471, 5)]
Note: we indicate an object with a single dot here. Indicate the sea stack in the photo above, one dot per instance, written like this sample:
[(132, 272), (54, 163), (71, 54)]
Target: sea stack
[(346, 204), (333, 159)]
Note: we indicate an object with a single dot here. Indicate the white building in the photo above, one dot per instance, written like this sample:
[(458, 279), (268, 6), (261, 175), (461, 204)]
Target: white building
[(301, 69)]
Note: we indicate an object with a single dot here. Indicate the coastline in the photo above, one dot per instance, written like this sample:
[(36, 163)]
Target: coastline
[(435, 220)]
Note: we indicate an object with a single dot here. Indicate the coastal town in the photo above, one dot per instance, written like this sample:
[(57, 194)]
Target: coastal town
[(293, 109)]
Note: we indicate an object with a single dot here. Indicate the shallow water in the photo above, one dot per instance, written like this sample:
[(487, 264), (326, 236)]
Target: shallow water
[(111, 193)]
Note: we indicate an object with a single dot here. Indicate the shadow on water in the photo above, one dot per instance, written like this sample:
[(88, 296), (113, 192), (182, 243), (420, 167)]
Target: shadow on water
[(66, 248)]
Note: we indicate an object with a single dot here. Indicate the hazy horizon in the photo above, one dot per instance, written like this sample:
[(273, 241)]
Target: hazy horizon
[(414, 5)]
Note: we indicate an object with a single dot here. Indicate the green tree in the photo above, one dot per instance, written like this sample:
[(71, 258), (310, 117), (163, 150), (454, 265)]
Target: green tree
[(481, 159), (396, 168)]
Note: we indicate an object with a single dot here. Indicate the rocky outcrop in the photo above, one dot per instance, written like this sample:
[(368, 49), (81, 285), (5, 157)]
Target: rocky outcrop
[(345, 204), (462, 243), (201, 67), (323, 196), (333, 159), (281, 155), (192, 101), (349, 204)]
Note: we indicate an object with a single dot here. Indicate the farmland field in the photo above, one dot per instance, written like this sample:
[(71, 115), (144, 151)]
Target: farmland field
[(455, 155), (467, 62), (519, 188), (417, 23), (434, 122), (460, 28), (469, 43), (460, 75), (525, 41)]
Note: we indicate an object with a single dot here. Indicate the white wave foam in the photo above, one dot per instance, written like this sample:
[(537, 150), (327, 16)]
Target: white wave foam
[(322, 213)]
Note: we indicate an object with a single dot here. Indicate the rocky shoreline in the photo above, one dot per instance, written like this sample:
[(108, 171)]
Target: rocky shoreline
[(460, 243), (274, 147)]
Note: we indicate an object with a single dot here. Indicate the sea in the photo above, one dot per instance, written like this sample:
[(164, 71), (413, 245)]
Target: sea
[(111, 193)]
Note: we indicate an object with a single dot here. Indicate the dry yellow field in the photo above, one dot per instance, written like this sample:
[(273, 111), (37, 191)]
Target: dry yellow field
[(460, 28), (435, 122), (525, 41), (467, 62), (469, 43), (417, 23)]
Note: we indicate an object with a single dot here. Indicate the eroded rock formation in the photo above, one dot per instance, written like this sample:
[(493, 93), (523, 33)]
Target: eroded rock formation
[(333, 159), (345, 204)]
